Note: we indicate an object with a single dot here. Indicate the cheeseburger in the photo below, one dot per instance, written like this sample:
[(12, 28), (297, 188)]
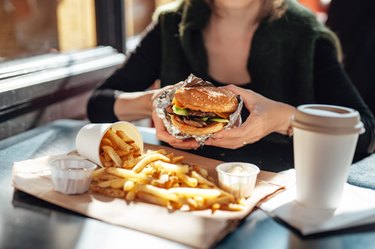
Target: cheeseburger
[(201, 109)]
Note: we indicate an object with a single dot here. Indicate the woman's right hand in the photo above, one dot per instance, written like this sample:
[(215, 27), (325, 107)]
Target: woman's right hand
[(163, 135)]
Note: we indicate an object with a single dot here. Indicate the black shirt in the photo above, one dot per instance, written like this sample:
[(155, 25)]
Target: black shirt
[(142, 68)]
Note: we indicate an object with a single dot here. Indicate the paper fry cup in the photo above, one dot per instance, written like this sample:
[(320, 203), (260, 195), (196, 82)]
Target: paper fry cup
[(89, 137)]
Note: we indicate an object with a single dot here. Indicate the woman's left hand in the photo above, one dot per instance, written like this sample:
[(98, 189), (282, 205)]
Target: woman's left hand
[(266, 116)]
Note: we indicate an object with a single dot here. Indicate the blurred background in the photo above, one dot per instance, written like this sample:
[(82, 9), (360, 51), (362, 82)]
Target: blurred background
[(32, 27), (54, 52)]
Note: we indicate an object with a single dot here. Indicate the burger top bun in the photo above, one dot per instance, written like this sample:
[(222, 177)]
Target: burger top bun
[(206, 99)]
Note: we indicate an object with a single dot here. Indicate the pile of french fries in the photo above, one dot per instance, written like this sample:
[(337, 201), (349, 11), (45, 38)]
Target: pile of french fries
[(156, 177), (116, 148)]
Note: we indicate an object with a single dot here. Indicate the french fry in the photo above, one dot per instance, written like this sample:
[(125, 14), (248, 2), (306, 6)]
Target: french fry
[(117, 141), (106, 184), (170, 167), (132, 162), (105, 177), (202, 180), (203, 172), (170, 156), (106, 157), (106, 141), (153, 199), (113, 155), (200, 200), (130, 196), (128, 174), (149, 159), (159, 192), (189, 181), (215, 207), (233, 207), (192, 202), (177, 159), (124, 137), (135, 147), (108, 164), (122, 153), (191, 192), (118, 184), (220, 200), (97, 172), (128, 185), (148, 170)]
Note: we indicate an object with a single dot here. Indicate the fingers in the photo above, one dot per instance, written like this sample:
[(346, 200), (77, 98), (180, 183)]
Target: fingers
[(223, 143), (163, 135), (187, 144), (234, 138), (250, 98), (230, 139), (238, 90)]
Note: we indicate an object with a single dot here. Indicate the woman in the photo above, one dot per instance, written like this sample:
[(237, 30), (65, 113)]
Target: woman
[(273, 52)]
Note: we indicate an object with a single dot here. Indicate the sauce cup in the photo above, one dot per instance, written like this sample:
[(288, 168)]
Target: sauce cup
[(237, 178), (71, 176)]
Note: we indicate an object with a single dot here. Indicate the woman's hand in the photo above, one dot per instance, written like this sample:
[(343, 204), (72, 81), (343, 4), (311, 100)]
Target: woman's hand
[(266, 116), (163, 135)]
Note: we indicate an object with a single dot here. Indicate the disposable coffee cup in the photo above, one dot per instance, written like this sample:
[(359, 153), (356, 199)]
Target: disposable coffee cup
[(325, 138), (90, 136)]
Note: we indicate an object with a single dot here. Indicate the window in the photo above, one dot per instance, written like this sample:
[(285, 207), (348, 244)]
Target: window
[(33, 27), (53, 53)]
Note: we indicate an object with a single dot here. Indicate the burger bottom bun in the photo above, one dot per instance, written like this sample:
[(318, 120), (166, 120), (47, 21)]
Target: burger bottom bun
[(190, 130)]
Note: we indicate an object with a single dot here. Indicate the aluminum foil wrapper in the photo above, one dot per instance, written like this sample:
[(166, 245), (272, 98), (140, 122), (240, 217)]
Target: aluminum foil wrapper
[(166, 97)]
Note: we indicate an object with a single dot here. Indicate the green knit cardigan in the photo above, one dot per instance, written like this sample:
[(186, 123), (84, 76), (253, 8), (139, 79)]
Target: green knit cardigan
[(282, 50)]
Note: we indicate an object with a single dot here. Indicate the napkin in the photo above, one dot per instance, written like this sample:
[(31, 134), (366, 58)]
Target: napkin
[(362, 173), (357, 207)]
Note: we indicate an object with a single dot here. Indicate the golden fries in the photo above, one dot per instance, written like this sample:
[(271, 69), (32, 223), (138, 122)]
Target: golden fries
[(147, 160), (112, 155), (159, 178), (127, 174), (116, 148), (192, 192), (170, 167)]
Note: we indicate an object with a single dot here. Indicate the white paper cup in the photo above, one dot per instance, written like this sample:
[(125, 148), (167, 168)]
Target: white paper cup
[(70, 175), (89, 137), (325, 139)]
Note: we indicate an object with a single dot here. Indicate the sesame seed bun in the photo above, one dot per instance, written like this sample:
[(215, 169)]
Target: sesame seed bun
[(207, 99)]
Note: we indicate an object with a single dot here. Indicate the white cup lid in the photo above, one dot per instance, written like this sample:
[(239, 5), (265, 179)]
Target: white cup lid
[(328, 119)]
